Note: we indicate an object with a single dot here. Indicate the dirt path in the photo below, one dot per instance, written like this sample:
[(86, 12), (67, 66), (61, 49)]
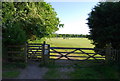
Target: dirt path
[(32, 71)]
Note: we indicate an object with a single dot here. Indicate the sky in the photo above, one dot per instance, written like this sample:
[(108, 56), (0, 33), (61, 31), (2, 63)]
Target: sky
[(73, 15)]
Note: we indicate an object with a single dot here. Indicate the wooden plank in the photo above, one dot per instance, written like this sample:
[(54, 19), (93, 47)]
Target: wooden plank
[(15, 46), (15, 57), (72, 53), (15, 52), (68, 56), (34, 46), (34, 53), (71, 48), (34, 49), (76, 56)]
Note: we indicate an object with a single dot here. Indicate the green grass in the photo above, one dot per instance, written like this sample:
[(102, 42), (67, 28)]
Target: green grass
[(85, 70), (11, 70), (71, 42), (84, 73), (10, 74), (52, 74), (95, 72)]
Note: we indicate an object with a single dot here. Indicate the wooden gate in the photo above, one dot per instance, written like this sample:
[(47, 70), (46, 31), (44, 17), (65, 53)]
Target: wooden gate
[(76, 53), (37, 51), (34, 51)]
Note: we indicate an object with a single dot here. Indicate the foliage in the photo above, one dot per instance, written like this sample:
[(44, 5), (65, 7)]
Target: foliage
[(104, 24), (23, 20)]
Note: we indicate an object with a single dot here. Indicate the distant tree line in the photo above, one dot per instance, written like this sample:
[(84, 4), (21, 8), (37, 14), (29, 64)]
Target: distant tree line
[(70, 35)]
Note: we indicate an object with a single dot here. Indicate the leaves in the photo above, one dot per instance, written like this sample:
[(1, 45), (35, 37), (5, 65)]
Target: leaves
[(28, 19), (104, 25)]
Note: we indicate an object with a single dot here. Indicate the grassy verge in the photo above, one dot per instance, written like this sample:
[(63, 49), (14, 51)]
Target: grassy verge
[(11, 74), (95, 72), (52, 74), (11, 70)]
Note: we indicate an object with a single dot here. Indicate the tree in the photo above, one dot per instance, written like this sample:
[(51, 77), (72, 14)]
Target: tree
[(27, 19), (104, 24)]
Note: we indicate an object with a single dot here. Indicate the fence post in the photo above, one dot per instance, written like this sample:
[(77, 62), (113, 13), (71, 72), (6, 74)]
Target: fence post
[(26, 51), (108, 54), (43, 50), (45, 53)]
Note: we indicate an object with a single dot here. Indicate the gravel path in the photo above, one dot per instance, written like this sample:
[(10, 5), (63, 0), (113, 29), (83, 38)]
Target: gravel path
[(32, 71)]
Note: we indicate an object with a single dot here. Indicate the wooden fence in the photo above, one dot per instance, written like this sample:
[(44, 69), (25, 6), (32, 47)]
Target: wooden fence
[(16, 52), (43, 52), (28, 51)]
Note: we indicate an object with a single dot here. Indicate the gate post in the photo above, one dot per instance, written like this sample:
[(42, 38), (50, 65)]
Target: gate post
[(45, 53), (26, 51), (108, 54)]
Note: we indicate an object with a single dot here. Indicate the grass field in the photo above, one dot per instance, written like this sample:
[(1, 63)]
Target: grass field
[(71, 42)]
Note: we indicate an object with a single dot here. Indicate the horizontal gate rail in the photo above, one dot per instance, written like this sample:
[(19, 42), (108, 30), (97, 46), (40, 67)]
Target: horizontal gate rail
[(79, 51), (34, 51), (71, 48)]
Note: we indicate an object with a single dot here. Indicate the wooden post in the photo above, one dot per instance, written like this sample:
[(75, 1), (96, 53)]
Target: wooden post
[(45, 53), (108, 54), (26, 51)]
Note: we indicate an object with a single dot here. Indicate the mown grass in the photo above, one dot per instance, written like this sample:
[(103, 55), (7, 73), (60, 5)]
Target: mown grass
[(71, 42)]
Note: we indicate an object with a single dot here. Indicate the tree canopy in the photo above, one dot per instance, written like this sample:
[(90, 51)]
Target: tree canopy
[(23, 20), (104, 24)]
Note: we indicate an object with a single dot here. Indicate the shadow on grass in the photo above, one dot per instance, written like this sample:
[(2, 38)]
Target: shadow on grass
[(96, 72), (11, 70)]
